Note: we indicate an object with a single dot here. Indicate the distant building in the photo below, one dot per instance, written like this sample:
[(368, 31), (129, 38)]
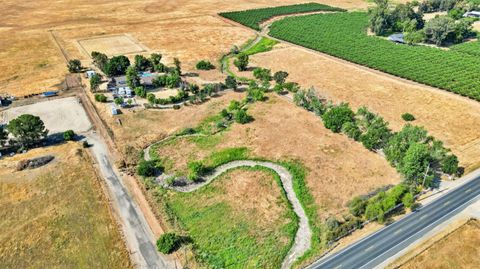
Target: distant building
[(397, 38), (472, 14), (90, 74), (124, 92)]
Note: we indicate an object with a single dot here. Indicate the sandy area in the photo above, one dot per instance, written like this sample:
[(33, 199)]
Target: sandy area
[(187, 29), (450, 118), (58, 115)]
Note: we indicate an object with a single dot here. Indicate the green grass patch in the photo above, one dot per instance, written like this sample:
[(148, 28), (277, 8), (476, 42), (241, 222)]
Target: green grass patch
[(225, 156), (228, 237), (254, 17), (264, 45), (344, 35)]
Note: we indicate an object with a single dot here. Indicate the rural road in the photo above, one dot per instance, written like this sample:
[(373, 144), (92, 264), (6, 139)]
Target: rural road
[(380, 246), (303, 236), (138, 235)]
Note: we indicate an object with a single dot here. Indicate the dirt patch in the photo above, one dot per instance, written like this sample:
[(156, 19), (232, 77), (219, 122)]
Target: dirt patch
[(450, 118), (111, 45), (58, 115), (457, 250)]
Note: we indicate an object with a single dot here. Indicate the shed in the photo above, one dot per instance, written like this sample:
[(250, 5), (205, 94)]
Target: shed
[(90, 73), (397, 38)]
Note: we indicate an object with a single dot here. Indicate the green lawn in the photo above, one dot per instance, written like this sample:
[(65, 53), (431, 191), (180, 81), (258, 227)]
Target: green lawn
[(344, 35)]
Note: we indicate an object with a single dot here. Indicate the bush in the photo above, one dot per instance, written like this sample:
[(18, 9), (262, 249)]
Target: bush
[(337, 116), (450, 165), (169, 242), (242, 117), (205, 65), (241, 62), (141, 92), (195, 170), (408, 200), (146, 168), (85, 144), (231, 82), (357, 206), (74, 66), (68, 135), (100, 98), (408, 117), (351, 130)]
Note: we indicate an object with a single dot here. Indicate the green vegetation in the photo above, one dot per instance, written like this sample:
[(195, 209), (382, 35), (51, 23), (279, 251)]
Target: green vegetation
[(27, 130), (205, 65), (74, 66), (95, 81), (102, 98), (146, 168), (472, 48), (408, 117), (241, 62), (252, 18), (68, 135), (344, 35), (168, 243), (265, 44)]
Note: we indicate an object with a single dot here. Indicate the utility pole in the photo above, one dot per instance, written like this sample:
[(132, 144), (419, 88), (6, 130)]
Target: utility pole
[(425, 176)]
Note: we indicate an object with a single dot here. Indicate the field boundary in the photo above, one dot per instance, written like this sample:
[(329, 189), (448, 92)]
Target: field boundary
[(143, 48)]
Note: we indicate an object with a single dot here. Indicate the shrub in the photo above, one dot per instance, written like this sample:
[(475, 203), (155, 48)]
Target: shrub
[(280, 77), (74, 66), (146, 168), (408, 117), (169, 242), (100, 98), (241, 62), (231, 82), (334, 118), (140, 92), (205, 65), (195, 170), (242, 117), (262, 74), (68, 135), (450, 164), (357, 206), (119, 101), (351, 130), (408, 200)]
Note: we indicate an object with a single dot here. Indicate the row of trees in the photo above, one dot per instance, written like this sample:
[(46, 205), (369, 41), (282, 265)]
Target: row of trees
[(416, 155)]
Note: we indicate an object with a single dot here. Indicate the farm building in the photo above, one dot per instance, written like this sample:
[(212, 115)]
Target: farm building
[(397, 38), (90, 73), (472, 14), (124, 91)]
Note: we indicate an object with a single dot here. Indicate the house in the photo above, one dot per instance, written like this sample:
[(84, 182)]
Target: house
[(90, 73), (112, 85), (397, 38), (472, 14), (124, 91)]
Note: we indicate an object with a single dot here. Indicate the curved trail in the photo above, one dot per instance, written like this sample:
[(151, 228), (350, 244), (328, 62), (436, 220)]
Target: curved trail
[(303, 236)]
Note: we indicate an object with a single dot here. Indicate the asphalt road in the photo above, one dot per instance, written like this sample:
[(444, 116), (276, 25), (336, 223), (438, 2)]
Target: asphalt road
[(378, 247)]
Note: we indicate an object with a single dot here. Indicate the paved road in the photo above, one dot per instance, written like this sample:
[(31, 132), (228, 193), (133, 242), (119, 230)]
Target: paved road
[(378, 247), (138, 235)]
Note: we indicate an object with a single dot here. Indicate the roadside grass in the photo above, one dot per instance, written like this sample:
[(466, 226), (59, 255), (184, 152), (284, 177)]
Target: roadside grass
[(57, 217), (227, 235), (264, 45)]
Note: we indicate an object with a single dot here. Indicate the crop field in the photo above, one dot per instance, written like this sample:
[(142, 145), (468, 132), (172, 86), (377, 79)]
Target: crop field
[(252, 18), (233, 227), (344, 35), (57, 216), (472, 48), (111, 45), (457, 250)]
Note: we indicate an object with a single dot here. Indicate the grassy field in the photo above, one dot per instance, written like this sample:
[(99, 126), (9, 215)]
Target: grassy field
[(457, 250), (57, 216), (344, 35), (233, 227)]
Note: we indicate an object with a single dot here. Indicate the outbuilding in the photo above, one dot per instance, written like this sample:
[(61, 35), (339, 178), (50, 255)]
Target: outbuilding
[(114, 110), (90, 74), (49, 94)]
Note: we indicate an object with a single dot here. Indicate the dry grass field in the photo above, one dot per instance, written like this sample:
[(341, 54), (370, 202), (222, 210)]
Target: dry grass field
[(457, 250), (57, 216), (111, 45), (338, 168), (450, 118), (188, 29)]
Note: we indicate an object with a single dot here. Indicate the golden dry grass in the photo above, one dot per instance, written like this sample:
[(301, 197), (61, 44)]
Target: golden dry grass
[(187, 29), (111, 45), (57, 216), (457, 250), (449, 117)]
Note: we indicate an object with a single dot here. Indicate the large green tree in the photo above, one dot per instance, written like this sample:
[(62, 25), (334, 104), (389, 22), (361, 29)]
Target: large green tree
[(74, 66), (399, 143), (241, 62), (133, 80), (117, 66), (142, 63), (337, 116), (27, 130), (415, 163)]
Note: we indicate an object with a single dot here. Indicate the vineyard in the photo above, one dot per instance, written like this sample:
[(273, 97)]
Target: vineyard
[(344, 35), (472, 48), (252, 18)]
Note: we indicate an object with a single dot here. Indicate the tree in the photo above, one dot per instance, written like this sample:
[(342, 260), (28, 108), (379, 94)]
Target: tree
[(68, 135), (27, 130), (74, 66), (399, 143), (119, 101), (142, 63), (151, 98), (155, 58), (231, 82), (415, 163), (178, 67), (376, 135), (357, 206), (280, 77), (140, 92), (380, 21), (146, 168), (100, 60), (95, 81), (262, 74), (256, 94), (241, 62), (414, 37), (168, 242), (335, 117), (450, 164), (117, 66), (242, 117), (408, 117), (234, 105), (439, 29), (204, 65), (132, 77), (195, 170), (408, 200), (351, 130), (100, 98)]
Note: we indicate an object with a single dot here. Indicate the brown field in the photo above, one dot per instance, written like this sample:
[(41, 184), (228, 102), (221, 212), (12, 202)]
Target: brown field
[(187, 29), (449, 117), (111, 45), (57, 216), (338, 168), (457, 250)]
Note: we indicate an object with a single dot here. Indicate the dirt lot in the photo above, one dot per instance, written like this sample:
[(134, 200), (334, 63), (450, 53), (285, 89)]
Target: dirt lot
[(450, 118), (111, 45), (457, 250), (57, 216), (338, 168), (58, 115), (187, 29)]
